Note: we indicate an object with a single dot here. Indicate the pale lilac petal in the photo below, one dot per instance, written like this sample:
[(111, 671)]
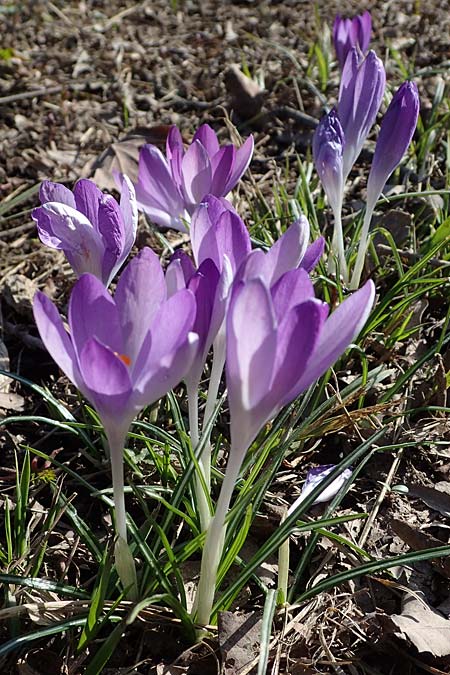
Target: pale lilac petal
[(293, 288), (187, 266), (196, 174), (55, 192), (250, 351), (205, 216), (241, 163), (328, 150), (128, 206), (169, 330), (314, 478), (44, 228), (287, 252), (313, 254), (228, 236), (140, 292), (93, 313), (175, 279), (339, 330), (156, 193), (207, 138), (55, 337), (78, 238)]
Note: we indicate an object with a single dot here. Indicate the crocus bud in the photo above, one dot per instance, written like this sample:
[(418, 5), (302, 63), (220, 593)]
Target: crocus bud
[(348, 33), (360, 96), (314, 477), (328, 150), (397, 129)]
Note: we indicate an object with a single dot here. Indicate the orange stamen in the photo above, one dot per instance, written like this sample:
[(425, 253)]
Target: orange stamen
[(124, 358)]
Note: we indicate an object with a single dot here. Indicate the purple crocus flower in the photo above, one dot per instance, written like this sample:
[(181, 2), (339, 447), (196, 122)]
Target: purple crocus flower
[(279, 341), (93, 230), (122, 353), (360, 95), (328, 155), (289, 252), (313, 478), (348, 33), (170, 188), (396, 132)]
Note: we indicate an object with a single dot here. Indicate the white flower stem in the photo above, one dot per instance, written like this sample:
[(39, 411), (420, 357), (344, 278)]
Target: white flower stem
[(215, 538), (218, 363), (283, 566), (360, 258), (123, 557), (201, 497), (337, 244)]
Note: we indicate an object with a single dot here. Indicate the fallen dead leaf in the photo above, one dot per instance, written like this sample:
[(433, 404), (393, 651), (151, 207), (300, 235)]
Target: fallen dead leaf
[(246, 96), (123, 156), (239, 640), (435, 499), (418, 541), (425, 628)]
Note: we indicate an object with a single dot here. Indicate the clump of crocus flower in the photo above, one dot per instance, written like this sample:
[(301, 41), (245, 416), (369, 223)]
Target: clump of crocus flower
[(348, 33), (279, 341), (94, 231), (122, 353), (170, 188)]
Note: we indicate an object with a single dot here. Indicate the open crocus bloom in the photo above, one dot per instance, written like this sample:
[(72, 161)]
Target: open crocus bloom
[(348, 33), (280, 341), (124, 352), (93, 230), (170, 188)]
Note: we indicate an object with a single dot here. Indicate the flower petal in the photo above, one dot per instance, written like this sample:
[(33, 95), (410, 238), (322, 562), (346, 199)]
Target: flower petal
[(93, 313), (55, 338), (140, 292), (241, 163), (196, 174), (208, 139)]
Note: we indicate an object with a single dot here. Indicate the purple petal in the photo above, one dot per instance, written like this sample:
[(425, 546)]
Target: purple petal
[(93, 313), (55, 338), (339, 330), (208, 139), (112, 229), (88, 198), (168, 334), (156, 193), (204, 218), (287, 252), (187, 266), (298, 335), (196, 174), (242, 161), (397, 129), (105, 374), (222, 164), (360, 96), (228, 236), (313, 254), (293, 288), (328, 148), (251, 343), (140, 292), (55, 192), (174, 153)]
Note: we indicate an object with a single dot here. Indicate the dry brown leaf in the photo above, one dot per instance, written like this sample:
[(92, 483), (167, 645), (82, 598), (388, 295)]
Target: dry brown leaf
[(239, 640), (435, 499), (425, 628), (246, 96), (123, 156), (418, 541)]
